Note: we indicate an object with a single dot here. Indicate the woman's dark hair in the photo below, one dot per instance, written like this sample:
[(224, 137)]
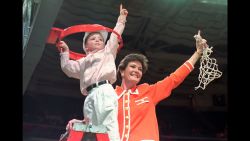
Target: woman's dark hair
[(133, 57)]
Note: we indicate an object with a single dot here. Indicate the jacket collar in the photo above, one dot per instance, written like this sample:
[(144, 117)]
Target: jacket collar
[(121, 91)]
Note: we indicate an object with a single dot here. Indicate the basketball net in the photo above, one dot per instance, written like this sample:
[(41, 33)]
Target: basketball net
[(208, 69)]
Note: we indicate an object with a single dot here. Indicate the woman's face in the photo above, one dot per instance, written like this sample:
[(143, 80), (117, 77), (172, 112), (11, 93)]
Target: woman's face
[(132, 73)]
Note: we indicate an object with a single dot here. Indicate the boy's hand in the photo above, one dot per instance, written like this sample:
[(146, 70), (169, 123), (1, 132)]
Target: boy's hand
[(123, 11), (123, 15), (63, 46), (71, 122)]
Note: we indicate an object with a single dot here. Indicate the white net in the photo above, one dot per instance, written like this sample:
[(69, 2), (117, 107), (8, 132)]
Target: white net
[(208, 69)]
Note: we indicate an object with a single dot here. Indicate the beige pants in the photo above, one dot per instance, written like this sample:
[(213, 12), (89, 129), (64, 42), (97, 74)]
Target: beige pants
[(101, 108)]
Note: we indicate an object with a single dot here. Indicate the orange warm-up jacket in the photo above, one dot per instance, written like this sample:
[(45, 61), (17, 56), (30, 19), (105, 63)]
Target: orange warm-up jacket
[(136, 110)]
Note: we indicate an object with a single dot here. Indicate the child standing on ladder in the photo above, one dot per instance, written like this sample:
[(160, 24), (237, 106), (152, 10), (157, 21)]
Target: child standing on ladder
[(97, 73)]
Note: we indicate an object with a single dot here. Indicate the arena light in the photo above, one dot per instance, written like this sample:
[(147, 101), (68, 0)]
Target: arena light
[(219, 2)]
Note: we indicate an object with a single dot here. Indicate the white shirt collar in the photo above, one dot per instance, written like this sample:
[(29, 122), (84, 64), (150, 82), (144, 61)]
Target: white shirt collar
[(136, 92)]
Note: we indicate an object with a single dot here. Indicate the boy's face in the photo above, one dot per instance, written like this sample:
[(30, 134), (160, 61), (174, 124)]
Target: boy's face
[(94, 42)]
